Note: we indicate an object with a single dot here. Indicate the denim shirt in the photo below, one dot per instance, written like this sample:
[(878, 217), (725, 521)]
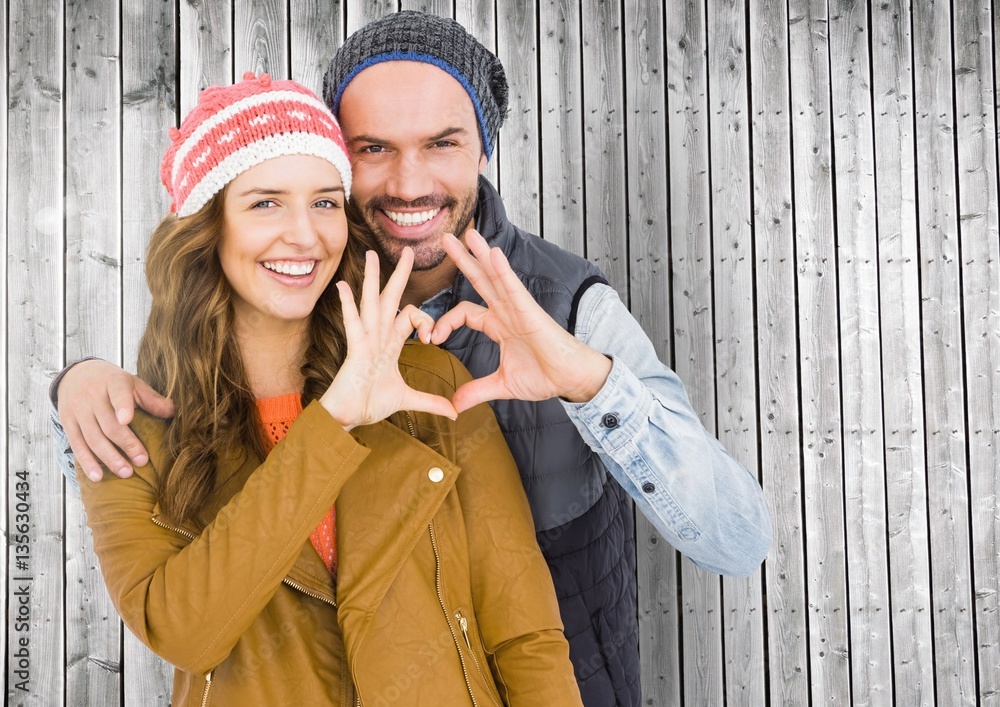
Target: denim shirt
[(644, 429), (651, 440)]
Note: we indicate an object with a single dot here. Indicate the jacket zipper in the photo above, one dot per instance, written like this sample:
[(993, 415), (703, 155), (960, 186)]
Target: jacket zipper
[(463, 623), (409, 423), (447, 618), (208, 687)]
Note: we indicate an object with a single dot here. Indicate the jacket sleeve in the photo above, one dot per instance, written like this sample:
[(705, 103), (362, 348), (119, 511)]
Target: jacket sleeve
[(701, 500), (191, 598), (517, 611)]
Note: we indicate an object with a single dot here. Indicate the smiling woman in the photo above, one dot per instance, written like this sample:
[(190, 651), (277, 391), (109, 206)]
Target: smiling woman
[(313, 490)]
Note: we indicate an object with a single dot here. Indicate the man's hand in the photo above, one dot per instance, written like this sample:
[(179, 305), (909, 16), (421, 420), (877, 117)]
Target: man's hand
[(96, 401), (538, 358)]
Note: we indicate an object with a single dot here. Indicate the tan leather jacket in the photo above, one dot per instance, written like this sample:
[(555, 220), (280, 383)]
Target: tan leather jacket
[(442, 595)]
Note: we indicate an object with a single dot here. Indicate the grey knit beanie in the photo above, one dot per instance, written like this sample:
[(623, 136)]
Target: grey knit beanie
[(416, 36)]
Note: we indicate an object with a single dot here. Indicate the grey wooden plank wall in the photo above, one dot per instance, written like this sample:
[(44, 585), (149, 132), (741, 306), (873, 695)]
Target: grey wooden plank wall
[(799, 200)]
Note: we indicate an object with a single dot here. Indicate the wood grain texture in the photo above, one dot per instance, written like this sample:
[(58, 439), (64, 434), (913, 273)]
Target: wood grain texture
[(947, 467), (979, 243), (93, 312), (735, 352), (5, 526), (260, 38), (777, 346), (517, 156), (899, 303), (149, 107), (649, 298), (317, 30), (819, 360), (861, 375), (694, 336), (205, 48), (561, 136), (604, 141), (35, 312)]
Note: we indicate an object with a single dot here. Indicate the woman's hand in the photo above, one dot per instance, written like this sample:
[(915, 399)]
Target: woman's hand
[(368, 388)]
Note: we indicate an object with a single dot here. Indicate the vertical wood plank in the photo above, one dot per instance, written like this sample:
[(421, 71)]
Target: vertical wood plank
[(93, 312), (649, 295), (317, 29), (604, 143), (976, 132), (361, 12), (862, 426), (149, 108), (260, 38), (5, 527), (479, 17), (895, 179), (517, 161), (561, 137), (733, 275), (206, 49), (441, 8), (944, 385), (829, 668), (35, 248), (777, 341), (694, 353)]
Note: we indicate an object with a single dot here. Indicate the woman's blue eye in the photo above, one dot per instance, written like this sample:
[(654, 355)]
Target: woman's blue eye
[(263, 204), (328, 204)]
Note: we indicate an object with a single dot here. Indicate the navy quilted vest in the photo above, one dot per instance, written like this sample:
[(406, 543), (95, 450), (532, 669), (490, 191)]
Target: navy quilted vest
[(583, 517)]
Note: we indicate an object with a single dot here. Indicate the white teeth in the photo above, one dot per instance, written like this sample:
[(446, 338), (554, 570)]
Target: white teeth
[(287, 267), (410, 219)]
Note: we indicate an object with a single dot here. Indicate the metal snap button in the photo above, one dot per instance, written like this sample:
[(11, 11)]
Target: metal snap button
[(435, 474)]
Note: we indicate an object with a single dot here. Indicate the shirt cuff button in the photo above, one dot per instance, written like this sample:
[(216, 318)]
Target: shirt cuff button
[(610, 421), (649, 487)]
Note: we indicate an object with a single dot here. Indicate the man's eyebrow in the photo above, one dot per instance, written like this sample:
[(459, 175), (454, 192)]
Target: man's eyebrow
[(372, 140)]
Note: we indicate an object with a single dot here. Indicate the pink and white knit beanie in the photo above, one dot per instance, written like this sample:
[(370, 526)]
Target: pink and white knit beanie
[(234, 128)]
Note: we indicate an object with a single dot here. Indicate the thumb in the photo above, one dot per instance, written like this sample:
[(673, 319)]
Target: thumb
[(480, 390), (151, 401)]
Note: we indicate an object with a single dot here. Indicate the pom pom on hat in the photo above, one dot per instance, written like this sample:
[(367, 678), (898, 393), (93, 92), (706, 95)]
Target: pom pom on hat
[(234, 128)]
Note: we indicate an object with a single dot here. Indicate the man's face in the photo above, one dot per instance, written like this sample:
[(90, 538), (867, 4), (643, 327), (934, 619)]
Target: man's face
[(415, 148)]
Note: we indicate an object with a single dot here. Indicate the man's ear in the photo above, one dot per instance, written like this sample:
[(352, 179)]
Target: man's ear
[(482, 162)]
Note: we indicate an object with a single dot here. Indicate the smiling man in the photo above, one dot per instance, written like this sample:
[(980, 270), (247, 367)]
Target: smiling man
[(593, 419)]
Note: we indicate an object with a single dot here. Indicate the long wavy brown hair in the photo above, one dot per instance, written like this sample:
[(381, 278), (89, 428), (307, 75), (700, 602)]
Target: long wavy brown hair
[(189, 352)]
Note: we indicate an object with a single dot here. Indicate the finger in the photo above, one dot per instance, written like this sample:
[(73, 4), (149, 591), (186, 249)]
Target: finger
[(396, 285), (427, 402), (121, 394), (88, 463), (369, 290), (469, 266), (120, 389), (477, 391), (462, 314), (508, 285), (349, 311), (151, 401), (410, 318), (100, 444)]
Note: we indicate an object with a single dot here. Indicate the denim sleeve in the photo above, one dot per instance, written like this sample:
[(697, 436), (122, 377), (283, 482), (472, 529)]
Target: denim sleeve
[(64, 454), (641, 424)]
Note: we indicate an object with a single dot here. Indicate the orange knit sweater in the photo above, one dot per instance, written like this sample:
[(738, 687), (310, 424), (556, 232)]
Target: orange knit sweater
[(276, 416)]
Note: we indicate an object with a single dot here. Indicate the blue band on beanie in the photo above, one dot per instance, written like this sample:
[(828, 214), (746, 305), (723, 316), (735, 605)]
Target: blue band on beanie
[(426, 59)]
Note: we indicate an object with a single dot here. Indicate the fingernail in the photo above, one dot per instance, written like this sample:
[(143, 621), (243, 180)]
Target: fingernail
[(93, 475), (122, 415), (124, 471), (140, 460)]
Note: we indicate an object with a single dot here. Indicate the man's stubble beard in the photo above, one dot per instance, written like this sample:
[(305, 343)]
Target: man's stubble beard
[(428, 253)]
